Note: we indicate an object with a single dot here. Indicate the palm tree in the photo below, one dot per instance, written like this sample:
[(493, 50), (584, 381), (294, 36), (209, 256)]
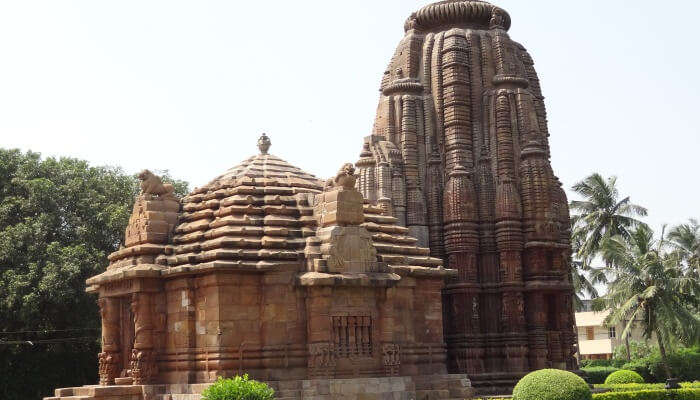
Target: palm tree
[(584, 276), (685, 239), (649, 287), (601, 214)]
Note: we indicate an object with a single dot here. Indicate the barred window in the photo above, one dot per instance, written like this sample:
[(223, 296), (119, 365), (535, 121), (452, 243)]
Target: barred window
[(611, 332)]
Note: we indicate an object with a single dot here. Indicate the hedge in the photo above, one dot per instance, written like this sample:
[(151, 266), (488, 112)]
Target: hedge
[(623, 376), (653, 394), (551, 384), (631, 387), (598, 374)]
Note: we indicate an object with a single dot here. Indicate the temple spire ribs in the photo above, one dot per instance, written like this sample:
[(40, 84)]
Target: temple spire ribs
[(461, 104)]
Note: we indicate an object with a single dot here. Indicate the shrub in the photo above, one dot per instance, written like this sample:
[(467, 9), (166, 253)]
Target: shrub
[(683, 363), (623, 376), (641, 367), (598, 374), (238, 388), (551, 384), (637, 350), (654, 394)]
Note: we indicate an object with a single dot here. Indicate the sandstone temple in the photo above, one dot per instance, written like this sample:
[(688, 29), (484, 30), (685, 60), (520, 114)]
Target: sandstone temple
[(436, 265)]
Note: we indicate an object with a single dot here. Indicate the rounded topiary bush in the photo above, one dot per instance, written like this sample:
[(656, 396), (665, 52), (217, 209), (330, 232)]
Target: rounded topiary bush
[(238, 388), (623, 376), (551, 384)]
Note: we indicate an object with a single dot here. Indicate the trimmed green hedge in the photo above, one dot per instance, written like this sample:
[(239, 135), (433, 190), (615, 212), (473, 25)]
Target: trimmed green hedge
[(238, 388), (551, 384), (631, 387), (654, 394), (623, 376), (598, 374)]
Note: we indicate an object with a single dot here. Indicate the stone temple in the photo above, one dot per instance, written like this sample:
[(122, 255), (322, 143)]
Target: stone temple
[(438, 262), (460, 156)]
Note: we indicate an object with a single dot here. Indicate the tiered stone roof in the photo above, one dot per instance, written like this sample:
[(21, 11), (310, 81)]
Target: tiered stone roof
[(257, 216)]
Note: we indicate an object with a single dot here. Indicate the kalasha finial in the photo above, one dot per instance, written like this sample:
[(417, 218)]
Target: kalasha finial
[(264, 144)]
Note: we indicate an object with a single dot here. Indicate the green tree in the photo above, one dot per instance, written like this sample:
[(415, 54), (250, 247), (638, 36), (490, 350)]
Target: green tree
[(59, 219), (601, 214), (649, 287), (685, 239)]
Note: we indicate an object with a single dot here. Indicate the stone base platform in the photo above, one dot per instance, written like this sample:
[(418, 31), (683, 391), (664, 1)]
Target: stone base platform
[(424, 387)]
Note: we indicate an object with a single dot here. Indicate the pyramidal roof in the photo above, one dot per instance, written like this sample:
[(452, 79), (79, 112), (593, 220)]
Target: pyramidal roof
[(258, 216)]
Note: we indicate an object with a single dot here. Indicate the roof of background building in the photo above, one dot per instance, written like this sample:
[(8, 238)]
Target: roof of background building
[(591, 318)]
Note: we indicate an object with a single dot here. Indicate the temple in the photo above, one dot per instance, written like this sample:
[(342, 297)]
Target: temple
[(460, 156), (269, 271), (440, 260)]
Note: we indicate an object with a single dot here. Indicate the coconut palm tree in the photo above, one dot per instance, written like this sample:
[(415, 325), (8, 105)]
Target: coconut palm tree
[(601, 214), (685, 239), (584, 277), (648, 287)]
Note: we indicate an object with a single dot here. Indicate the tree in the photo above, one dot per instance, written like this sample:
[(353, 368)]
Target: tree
[(649, 288), (583, 276), (685, 239), (59, 219), (601, 214)]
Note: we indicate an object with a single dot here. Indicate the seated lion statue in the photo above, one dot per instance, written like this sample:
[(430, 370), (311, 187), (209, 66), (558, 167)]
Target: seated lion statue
[(344, 178), (151, 184)]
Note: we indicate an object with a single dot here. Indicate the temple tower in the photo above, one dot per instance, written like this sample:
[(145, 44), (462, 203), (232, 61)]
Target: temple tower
[(460, 156)]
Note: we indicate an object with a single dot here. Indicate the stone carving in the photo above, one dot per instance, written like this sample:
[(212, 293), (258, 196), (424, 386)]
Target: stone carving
[(143, 361), (352, 336), (153, 185), (108, 367), (460, 148), (264, 144), (345, 178), (322, 360), (143, 366), (391, 358), (109, 357)]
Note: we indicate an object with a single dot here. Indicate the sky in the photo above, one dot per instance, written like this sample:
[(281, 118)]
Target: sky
[(188, 86)]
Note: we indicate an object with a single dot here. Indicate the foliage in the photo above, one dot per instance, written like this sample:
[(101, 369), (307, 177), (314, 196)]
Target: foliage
[(238, 388), (684, 364), (631, 387), (613, 362), (623, 376), (652, 394), (598, 374), (649, 288), (59, 219), (601, 214), (641, 366), (638, 349), (685, 239), (551, 384)]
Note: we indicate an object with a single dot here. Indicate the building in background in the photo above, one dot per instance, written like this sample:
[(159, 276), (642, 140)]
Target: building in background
[(597, 340)]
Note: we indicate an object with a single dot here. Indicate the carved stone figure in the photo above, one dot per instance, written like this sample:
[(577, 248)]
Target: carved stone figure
[(153, 185)]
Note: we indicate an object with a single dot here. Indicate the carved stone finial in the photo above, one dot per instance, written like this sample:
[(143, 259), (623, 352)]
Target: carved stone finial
[(264, 144)]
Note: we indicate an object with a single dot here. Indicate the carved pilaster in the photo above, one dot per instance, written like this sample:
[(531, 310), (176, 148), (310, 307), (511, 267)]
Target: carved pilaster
[(143, 359), (109, 357)]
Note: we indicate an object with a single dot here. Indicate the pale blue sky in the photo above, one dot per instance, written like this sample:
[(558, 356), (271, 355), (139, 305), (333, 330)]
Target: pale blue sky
[(189, 85)]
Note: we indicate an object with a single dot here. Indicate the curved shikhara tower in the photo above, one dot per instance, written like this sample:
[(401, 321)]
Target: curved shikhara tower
[(460, 155)]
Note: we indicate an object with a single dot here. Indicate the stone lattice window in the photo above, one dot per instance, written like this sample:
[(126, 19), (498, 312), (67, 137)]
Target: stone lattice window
[(352, 336)]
